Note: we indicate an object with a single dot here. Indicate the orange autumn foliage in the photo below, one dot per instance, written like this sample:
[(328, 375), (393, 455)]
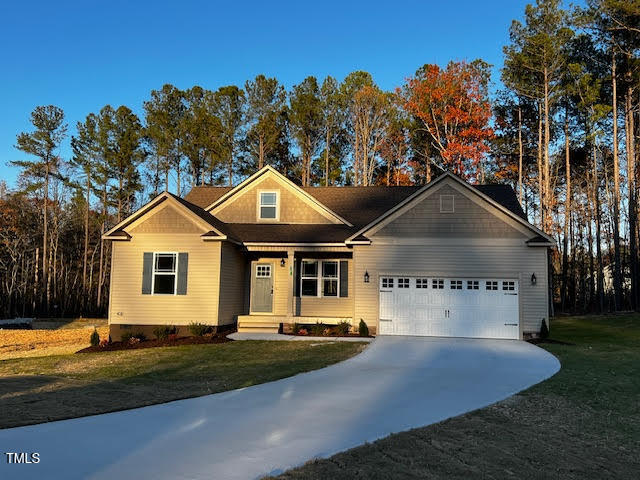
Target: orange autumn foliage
[(452, 105)]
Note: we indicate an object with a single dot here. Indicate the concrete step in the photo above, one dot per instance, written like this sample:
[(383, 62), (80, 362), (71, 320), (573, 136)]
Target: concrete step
[(258, 329)]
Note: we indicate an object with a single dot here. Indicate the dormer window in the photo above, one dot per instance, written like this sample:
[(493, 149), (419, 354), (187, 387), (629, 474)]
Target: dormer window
[(269, 205)]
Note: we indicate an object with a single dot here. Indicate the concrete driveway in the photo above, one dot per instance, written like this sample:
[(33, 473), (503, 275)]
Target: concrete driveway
[(398, 383)]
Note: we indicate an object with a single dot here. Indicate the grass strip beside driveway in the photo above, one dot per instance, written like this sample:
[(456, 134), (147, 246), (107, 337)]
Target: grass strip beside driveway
[(583, 423), (41, 389)]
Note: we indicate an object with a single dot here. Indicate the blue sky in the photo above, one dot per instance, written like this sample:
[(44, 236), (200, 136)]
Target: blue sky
[(83, 55)]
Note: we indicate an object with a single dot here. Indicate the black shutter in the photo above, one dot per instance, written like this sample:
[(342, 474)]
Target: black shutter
[(183, 264), (344, 278), (147, 272), (296, 277)]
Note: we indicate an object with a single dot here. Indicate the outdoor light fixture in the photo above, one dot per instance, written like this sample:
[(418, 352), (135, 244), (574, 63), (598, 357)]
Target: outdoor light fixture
[(533, 279), (366, 277), (282, 262)]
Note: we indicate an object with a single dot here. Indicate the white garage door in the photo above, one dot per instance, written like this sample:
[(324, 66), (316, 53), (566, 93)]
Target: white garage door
[(449, 307)]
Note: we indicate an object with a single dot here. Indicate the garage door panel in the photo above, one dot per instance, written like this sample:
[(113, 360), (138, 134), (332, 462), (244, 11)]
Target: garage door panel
[(457, 307)]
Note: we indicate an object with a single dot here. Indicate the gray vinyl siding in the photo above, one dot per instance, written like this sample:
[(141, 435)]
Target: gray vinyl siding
[(468, 220), (232, 284), (478, 258)]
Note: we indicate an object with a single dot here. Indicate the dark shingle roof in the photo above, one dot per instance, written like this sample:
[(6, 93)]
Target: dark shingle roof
[(358, 205)]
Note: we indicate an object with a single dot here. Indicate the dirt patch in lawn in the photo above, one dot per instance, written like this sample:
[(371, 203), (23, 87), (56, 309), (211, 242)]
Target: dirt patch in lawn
[(114, 346), (40, 342)]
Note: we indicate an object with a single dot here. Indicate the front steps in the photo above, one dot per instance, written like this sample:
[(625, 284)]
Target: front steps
[(258, 326)]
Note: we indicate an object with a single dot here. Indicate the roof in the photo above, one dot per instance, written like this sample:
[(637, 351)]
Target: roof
[(290, 233), (203, 196)]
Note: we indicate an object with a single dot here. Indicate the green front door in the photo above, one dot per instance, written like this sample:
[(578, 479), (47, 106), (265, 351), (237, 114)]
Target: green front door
[(262, 288)]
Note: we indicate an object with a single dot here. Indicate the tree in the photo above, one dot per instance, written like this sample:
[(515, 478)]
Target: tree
[(266, 99), (229, 104), (43, 143), (533, 67), (333, 116), (163, 117), (306, 119), (395, 144), (453, 107)]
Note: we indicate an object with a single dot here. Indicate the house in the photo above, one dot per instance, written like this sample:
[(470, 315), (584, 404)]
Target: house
[(445, 259)]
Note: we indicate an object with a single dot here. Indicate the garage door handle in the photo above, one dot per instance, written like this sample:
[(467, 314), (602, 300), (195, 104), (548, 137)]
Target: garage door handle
[(511, 324)]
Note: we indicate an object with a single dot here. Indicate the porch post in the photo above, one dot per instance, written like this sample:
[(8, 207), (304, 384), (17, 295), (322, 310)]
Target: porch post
[(290, 297)]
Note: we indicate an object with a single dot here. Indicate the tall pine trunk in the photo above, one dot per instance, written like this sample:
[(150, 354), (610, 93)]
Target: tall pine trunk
[(631, 185), (617, 273), (520, 154), (567, 212)]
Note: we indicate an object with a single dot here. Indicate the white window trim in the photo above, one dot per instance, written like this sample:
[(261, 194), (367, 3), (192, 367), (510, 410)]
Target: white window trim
[(259, 205), (154, 273), (320, 278)]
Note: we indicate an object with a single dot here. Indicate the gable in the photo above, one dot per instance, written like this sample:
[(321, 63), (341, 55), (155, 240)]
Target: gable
[(451, 212), (242, 207), (164, 219)]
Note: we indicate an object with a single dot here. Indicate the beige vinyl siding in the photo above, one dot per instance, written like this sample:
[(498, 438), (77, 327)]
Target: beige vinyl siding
[(232, 282), (129, 306), (166, 219), (242, 208), (468, 220), (328, 306), (476, 258)]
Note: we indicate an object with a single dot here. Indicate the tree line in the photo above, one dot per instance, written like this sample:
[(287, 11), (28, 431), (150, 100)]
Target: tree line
[(561, 132)]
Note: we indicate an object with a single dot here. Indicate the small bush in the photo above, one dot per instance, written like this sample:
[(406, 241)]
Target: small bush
[(104, 342), (140, 336), (134, 340), (303, 331), (544, 330), (172, 336), (363, 330), (342, 328), (95, 338), (126, 336), (295, 328), (162, 332), (317, 329), (198, 329)]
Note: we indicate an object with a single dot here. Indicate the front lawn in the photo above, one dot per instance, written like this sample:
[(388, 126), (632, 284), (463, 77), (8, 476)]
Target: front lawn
[(41, 389), (583, 423)]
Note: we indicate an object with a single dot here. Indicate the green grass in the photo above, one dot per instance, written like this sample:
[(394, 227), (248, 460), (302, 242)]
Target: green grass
[(583, 423), (40, 389)]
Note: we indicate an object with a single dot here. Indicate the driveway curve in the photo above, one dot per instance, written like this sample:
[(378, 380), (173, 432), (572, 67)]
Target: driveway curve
[(396, 384)]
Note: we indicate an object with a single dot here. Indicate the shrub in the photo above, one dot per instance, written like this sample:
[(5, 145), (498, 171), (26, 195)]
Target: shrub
[(317, 329), (134, 340), (198, 329), (104, 342), (126, 336), (303, 331), (140, 336), (95, 338), (326, 332), (544, 330), (295, 328), (172, 336), (162, 332), (342, 328), (363, 330)]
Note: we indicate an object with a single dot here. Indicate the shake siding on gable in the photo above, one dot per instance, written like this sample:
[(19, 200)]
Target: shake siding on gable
[(129, 306), (293, 209), (469, 220)]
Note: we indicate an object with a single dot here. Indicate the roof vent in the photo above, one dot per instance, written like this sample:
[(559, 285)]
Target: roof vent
[(446, 203)]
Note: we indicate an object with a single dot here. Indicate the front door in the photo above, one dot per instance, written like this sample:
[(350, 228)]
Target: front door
[(262, 288)]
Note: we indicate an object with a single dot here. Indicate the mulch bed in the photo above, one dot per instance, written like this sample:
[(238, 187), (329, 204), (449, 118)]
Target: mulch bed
[(207, 339), (331, 336)]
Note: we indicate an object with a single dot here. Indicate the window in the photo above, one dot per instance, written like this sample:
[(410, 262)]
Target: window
[(268, 205), (509, 286), (473, 285), (164, 273), (320, 278), (422, 282), (403, 283), (437, 283), (309, 278), (456, 284), (387, 282), (263, 271), (330, 279), (446, 204), (491, 285)]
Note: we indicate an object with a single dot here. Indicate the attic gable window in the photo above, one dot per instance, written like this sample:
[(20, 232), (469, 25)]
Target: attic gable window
[(446, 204), (268, 205)]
